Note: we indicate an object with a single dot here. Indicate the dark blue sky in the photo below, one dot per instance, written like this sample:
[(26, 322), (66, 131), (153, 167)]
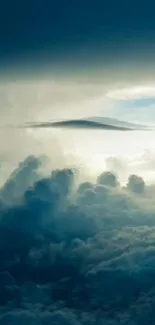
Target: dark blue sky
[(57, 30)]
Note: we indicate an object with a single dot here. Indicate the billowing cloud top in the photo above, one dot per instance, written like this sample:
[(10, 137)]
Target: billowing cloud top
[(73, 253)]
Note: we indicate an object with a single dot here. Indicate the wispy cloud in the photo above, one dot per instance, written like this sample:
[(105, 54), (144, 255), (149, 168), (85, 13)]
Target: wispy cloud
[(136, 92)]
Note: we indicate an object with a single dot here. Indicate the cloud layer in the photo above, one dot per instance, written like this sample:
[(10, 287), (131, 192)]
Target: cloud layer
[(76, 253), (136, 92)]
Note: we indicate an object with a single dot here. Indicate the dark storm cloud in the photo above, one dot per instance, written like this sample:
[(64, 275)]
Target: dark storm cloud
[(57, 28), (77, 255)]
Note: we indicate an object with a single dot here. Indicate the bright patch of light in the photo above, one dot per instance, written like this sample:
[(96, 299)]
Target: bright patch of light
[(137, 92), (92, 148)]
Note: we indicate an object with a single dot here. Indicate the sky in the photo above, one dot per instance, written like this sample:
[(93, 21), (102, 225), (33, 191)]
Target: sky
[(77, 208), (82, 31), (84, 50), (77, 59)]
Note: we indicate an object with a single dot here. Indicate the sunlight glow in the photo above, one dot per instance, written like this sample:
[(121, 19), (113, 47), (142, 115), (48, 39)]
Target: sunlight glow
[(92, 149)]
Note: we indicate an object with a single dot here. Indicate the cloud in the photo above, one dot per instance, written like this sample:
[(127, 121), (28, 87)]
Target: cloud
[(47, 99), (21, 317), (76, 253), (21, 178), (132, 93), (41, 100), (133, 103)]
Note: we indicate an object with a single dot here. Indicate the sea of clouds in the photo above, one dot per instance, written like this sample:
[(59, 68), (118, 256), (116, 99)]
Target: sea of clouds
[(77, 247), (76, 252)]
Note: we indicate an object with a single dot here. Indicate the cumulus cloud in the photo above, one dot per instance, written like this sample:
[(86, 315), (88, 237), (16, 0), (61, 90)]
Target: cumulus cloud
[(76, 253)]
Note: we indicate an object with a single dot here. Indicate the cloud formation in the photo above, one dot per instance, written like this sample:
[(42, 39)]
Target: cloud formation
[(76, 253), (131, 93), (47, 99)]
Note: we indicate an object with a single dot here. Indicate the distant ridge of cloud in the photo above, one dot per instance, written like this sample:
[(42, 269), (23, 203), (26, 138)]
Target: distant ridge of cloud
[(137, 92)]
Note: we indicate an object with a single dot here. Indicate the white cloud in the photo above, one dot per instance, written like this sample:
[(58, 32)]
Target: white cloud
[(137, 92), (40, 100), (36, 100)]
